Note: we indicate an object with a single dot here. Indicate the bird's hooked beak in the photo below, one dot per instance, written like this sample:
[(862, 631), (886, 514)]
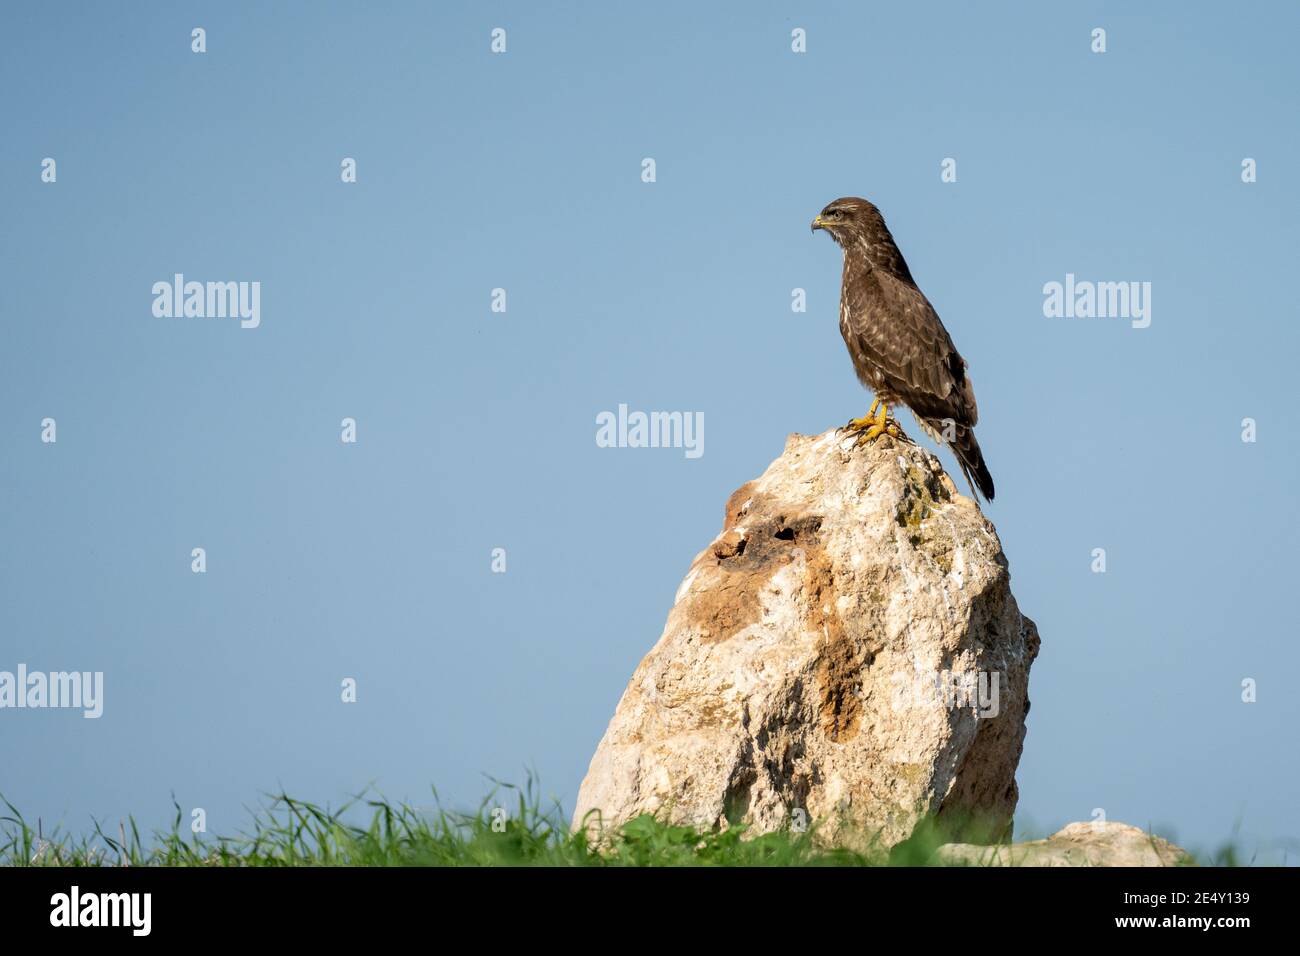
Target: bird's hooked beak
[(818, 224)]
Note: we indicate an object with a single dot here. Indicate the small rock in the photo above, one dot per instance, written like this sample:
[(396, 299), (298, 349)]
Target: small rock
[(1079, 844)]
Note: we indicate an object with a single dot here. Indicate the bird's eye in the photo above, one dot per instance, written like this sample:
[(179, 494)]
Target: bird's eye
[(835, 214)]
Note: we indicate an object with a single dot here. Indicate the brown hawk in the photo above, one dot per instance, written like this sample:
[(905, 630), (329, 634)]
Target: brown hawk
[(899, 348)]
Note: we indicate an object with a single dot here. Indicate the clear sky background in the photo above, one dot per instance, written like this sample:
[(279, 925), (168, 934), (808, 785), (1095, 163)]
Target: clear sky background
[(477, 429)]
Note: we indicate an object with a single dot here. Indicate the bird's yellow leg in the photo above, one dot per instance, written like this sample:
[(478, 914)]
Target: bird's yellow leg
[(867, 420), (875, 423)]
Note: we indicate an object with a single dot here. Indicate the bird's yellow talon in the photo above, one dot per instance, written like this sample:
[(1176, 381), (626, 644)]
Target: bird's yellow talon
[(875, 423)]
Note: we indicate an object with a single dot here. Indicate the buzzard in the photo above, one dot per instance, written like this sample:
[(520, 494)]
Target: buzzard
[(899, 348)]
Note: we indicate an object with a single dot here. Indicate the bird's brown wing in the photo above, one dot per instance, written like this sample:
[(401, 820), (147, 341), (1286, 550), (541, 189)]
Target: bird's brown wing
[(897, 329)]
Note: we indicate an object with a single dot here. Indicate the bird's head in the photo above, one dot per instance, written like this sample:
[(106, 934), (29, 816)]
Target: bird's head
[(848, 219)]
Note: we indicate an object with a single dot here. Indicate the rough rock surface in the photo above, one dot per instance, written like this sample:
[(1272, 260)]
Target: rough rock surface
[(1079, 844), (799, 678)]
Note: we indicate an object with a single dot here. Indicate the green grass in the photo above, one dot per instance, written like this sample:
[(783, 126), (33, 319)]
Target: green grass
[(511, 827), (371, 831)]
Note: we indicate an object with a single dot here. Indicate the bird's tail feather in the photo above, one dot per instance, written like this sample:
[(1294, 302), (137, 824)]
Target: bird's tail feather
[(971, 459)]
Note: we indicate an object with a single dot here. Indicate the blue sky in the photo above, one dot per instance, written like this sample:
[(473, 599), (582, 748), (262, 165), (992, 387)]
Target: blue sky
[(476, 429)]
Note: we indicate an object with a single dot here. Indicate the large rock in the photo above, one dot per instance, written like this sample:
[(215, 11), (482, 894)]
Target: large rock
[(800, 677), (1099, 843)]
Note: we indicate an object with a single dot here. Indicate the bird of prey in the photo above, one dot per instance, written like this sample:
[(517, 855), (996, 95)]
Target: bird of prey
[(899, 348)]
